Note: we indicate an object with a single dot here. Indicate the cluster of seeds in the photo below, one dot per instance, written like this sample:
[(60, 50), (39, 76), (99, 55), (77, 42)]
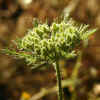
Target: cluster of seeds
[(46, 43)]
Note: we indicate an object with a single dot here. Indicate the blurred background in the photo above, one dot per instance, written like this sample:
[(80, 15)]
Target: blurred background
[(18, 82)]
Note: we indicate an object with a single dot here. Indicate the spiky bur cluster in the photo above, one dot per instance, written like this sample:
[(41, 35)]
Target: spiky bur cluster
[(47, 44)]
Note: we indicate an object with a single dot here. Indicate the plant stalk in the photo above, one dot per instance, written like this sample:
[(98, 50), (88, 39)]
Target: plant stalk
[(58, 75)]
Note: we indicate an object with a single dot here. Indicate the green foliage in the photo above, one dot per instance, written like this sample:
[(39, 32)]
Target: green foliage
[(48, 44)]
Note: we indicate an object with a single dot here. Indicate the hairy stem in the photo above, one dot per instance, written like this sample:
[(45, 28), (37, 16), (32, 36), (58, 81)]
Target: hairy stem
[(58, 75)]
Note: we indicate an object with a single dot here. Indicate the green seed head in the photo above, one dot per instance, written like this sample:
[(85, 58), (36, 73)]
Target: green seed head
[(50, 43)]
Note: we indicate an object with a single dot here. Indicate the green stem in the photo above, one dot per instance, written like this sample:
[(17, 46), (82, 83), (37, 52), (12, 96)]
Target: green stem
[(58, 75)]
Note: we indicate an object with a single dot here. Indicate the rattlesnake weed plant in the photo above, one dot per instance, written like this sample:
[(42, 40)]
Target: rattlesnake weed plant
[(47, 44)]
